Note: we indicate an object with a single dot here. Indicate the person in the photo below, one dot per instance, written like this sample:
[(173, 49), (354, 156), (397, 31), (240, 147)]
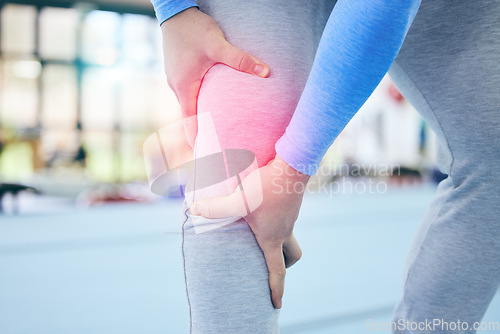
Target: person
[(225, 270), (448, 69)]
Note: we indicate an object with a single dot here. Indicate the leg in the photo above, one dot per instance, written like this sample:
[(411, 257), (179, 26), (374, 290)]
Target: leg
[(226, 281), (448, 69), (225, 271)]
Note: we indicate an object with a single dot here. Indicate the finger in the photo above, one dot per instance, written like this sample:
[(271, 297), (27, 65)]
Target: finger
[(188, 99), (291, 251), (277, 271), (190, 129), (219, 207), (187, 94), (242, 61)]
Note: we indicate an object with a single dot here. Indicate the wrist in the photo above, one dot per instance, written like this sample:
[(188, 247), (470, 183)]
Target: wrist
[(179, 16), (291, 173)]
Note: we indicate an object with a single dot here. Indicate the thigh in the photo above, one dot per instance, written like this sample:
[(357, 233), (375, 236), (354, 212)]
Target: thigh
[(448, 68), (250, 112), (240, 111)]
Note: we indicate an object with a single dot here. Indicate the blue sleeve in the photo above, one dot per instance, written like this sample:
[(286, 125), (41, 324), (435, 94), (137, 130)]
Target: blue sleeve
[(359, 44), (165, 9)]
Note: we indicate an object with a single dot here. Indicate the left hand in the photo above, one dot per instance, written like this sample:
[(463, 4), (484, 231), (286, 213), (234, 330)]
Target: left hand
[(193, 42)]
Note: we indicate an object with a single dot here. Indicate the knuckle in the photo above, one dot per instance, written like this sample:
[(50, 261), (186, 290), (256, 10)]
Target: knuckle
[(299, 254), (181, 82), (245, 62), (291, 262), (215, 51), (294, 258), (170, 82)]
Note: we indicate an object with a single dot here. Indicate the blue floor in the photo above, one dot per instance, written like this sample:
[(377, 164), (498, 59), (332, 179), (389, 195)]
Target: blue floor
[(116, 268)]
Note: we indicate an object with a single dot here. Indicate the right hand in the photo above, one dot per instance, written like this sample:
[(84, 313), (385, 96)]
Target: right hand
[(280, 189), (192, 43)]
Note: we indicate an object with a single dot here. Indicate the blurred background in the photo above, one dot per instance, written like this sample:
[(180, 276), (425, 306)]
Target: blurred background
[(85, 247), (80, 90), (82, 85)]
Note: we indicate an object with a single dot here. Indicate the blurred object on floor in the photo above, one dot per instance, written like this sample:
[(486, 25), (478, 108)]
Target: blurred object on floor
[(62, 181), (13, 190), (116, 193), (402, 175)]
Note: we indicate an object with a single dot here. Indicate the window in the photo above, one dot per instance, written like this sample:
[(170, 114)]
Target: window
[(80, 76)]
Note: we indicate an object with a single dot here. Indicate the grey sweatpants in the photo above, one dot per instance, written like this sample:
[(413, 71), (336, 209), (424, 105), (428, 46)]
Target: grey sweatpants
[(226, 275), (449, 70)]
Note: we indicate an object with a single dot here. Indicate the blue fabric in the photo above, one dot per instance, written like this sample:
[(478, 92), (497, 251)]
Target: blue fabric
[(165, 9), (359, 44)]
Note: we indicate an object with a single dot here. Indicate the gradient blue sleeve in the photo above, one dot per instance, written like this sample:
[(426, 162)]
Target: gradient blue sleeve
[(359, 44), (165, 9)]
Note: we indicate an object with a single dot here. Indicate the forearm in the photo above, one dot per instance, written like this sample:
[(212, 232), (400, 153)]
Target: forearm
[(165, 9), (359, 44)]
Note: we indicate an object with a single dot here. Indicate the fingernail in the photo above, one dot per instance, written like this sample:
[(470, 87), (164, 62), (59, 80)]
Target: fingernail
[(260, 70), (279, 305), (195, 210)]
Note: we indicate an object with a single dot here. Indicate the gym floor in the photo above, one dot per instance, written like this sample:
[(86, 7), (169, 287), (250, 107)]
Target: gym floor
[(116, 268)]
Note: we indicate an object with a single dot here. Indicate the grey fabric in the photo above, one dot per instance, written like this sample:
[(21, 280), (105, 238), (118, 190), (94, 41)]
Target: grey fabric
[(225, 271), (449, 69), (227, 281)]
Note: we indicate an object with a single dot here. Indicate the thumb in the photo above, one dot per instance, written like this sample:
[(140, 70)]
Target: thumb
[(220, 207), (188, 97), (242, 61)]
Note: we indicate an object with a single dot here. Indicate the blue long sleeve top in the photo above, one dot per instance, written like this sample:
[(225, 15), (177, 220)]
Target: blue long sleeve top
[(359, 44), (165, 9)]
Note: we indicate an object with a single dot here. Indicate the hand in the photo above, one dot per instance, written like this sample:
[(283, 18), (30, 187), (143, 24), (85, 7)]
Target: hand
[(272, 222), (192, 44)]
